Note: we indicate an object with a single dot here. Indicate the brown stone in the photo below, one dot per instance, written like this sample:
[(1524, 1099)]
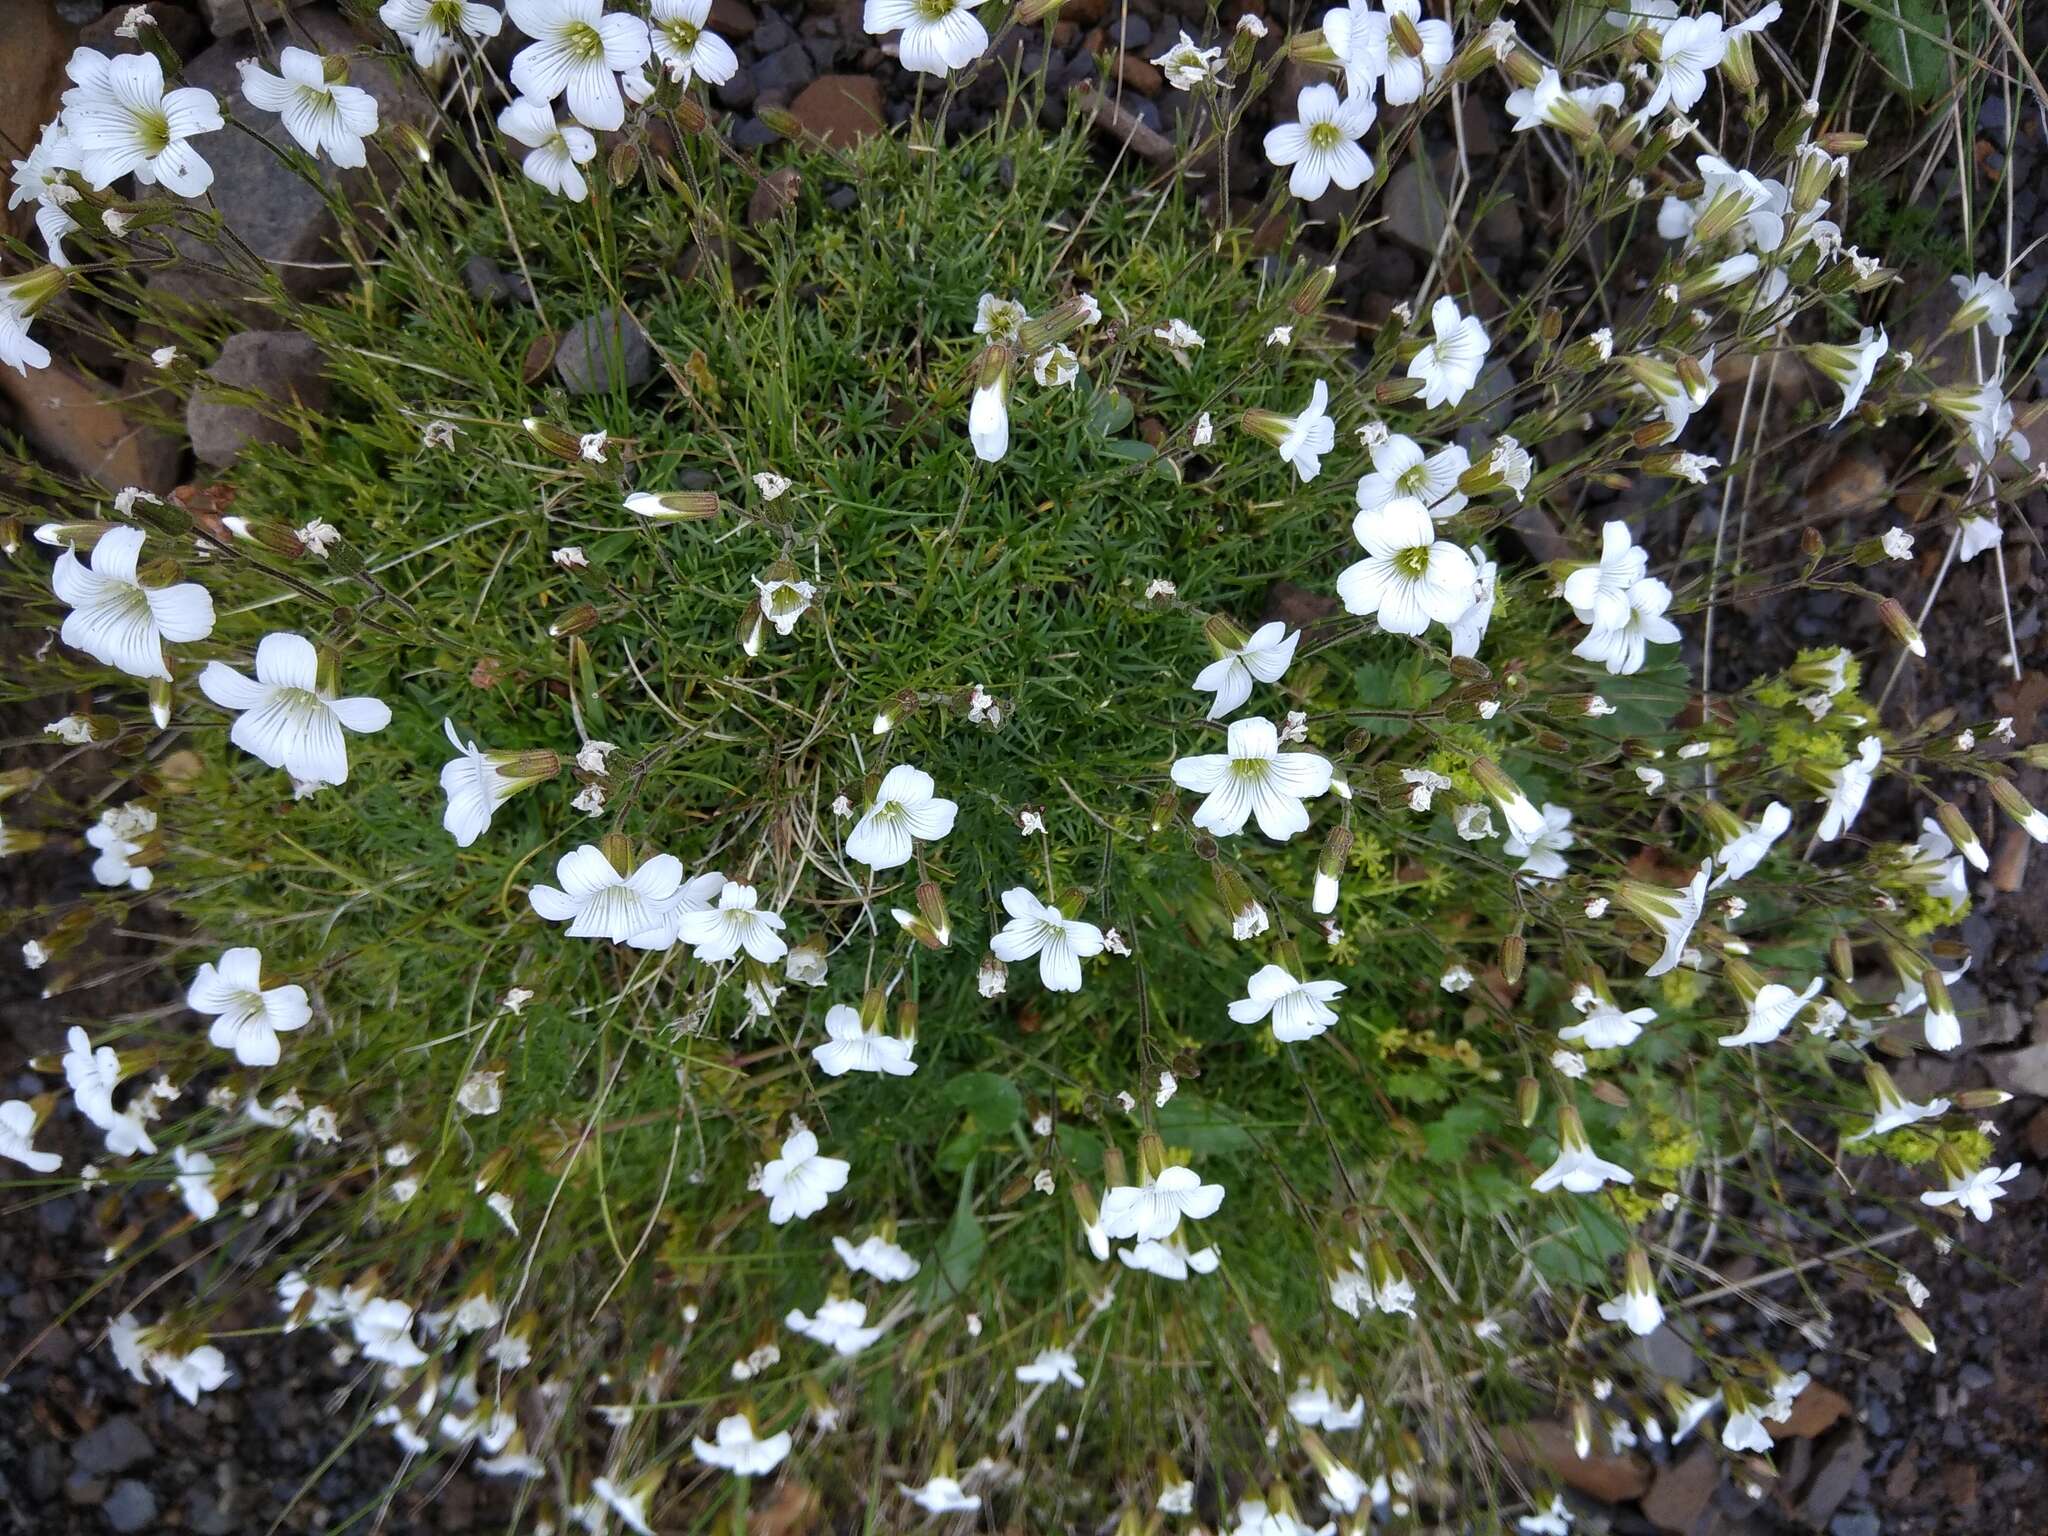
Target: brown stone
[(1546, 1443), (1855, 483), (1140, 74), (174, 24), (1679, 1492), (840, 109), (774, 195), (33, 47), (732, 20), (1813, 1411), (68, 416)]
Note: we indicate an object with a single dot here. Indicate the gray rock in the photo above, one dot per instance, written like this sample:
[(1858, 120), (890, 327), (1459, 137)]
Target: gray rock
[(1415, 204), (279, 216), (227, 17), (270, 373), (2022, 1071), (1668, 1354), (130, 1507), (114, 1447), (604, 352), (1861, 1523), (1836, 1467)]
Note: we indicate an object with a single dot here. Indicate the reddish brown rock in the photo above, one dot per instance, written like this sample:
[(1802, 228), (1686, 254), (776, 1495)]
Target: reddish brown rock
[(732, 20), (1679, 1492), (840, 109), (68, 416), (1547, 1444), (1139, 74), (1813, 1411)]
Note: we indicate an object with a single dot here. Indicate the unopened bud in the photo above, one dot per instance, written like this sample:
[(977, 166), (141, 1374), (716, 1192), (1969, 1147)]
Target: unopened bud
[(559, 441), (1313, 291), (1963, 835), (2020, 809), (1528, 1100), (580, 619), (674, 506), (1514, 953), (1892, 614)]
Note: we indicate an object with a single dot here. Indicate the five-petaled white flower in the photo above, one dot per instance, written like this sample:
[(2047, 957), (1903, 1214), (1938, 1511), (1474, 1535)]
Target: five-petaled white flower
[(247, 1016), (1409, 576), (876, 1255), (195, 1183), (841, 1324), (1578, 1168), (1773, 1008), (1542, 856), (1262, 658), (579, 51), (740, 1450), (1301, 1009), (597, 901), (1400, 468), (1322, 144), (1469, 627), (1598, 593), (115, 619), (1984, 301), (717, 933), (1606, 1027), (1040, 928), (938, 35), (1637, 1307), (1448, 365), (287, 717), (477, 782), (1689, 47), (1049, 1366), (120, 835), (17, 1138), (430, 27), (905, 809), (1974, 1192), (941, 1495), (1253, 778), (798, 1182), (122, 120), (325, 116), (851, 1048), (686, 47), (1743, 852), (1622, 648), (1848, 786), (93, 1074), (1152, 1211), (554, 150), (1169, 1260), (1301, 440), (1187, 64)]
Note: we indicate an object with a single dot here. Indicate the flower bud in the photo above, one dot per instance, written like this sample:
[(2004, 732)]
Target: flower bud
[(931, 905), (1164, 809), (1963, 835), (578, 620), (674, 506), (1330, 869), (559, 441), (1975, 1099), (2020, 809), (1312, 48), (1916, 1328), (1514, 953), (1528, 1100), (1029, 13), (1893, 616), (1313, 291), (1394, 391)]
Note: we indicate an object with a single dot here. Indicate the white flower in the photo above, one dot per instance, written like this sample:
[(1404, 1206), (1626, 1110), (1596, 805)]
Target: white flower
[(477, 782), (17, 1138), (1456, 978), (1449, 364), (798, 1182), (1180, 338), (121, 120), (287, 719), (1983, 300), (1152, 1211), (1554, 1519), (19, 350), (719, 932), (430, 26), (1851, 367), (1542, 856), (1848, 786), (1743, 852), (740, 1450), (1039, 928), (1204, 432), (554, 150), (1974, 535), (1301, 440), (1599, 594), (1548, 104), (1409, 576), (850, 1048), (1974, 1192), (1057, 367), (598, 902), (188, 1375), (481, 1093), (686, 47), (1400, 468), (383, 1331), (782, 602), (988, 413), (195, 1182), (876, 1256), (120, 835), (1168, 1260), (93, 1075), (325, 116), (1049, 1366), (840, 1324), (118, 621), (1322, 145), (1300, 1009), (1672, 912), (941, 1496), (938, 35), (905, 809), (1606, 1028), (569, 557), (998, 318), (1622, 648), (1568, 1064), (318, 536), (1690, 46), (247, 1016), (1312, 1405), (1578, 1168), (1188, 65), (1263, 657), (1773, 1008), (1253, 778), (580, 51), (1427, 785)]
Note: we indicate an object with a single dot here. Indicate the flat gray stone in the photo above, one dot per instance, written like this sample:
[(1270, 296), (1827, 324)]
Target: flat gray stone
[(280, 369), (604, 352), (130, 1507), (113, 1447)]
